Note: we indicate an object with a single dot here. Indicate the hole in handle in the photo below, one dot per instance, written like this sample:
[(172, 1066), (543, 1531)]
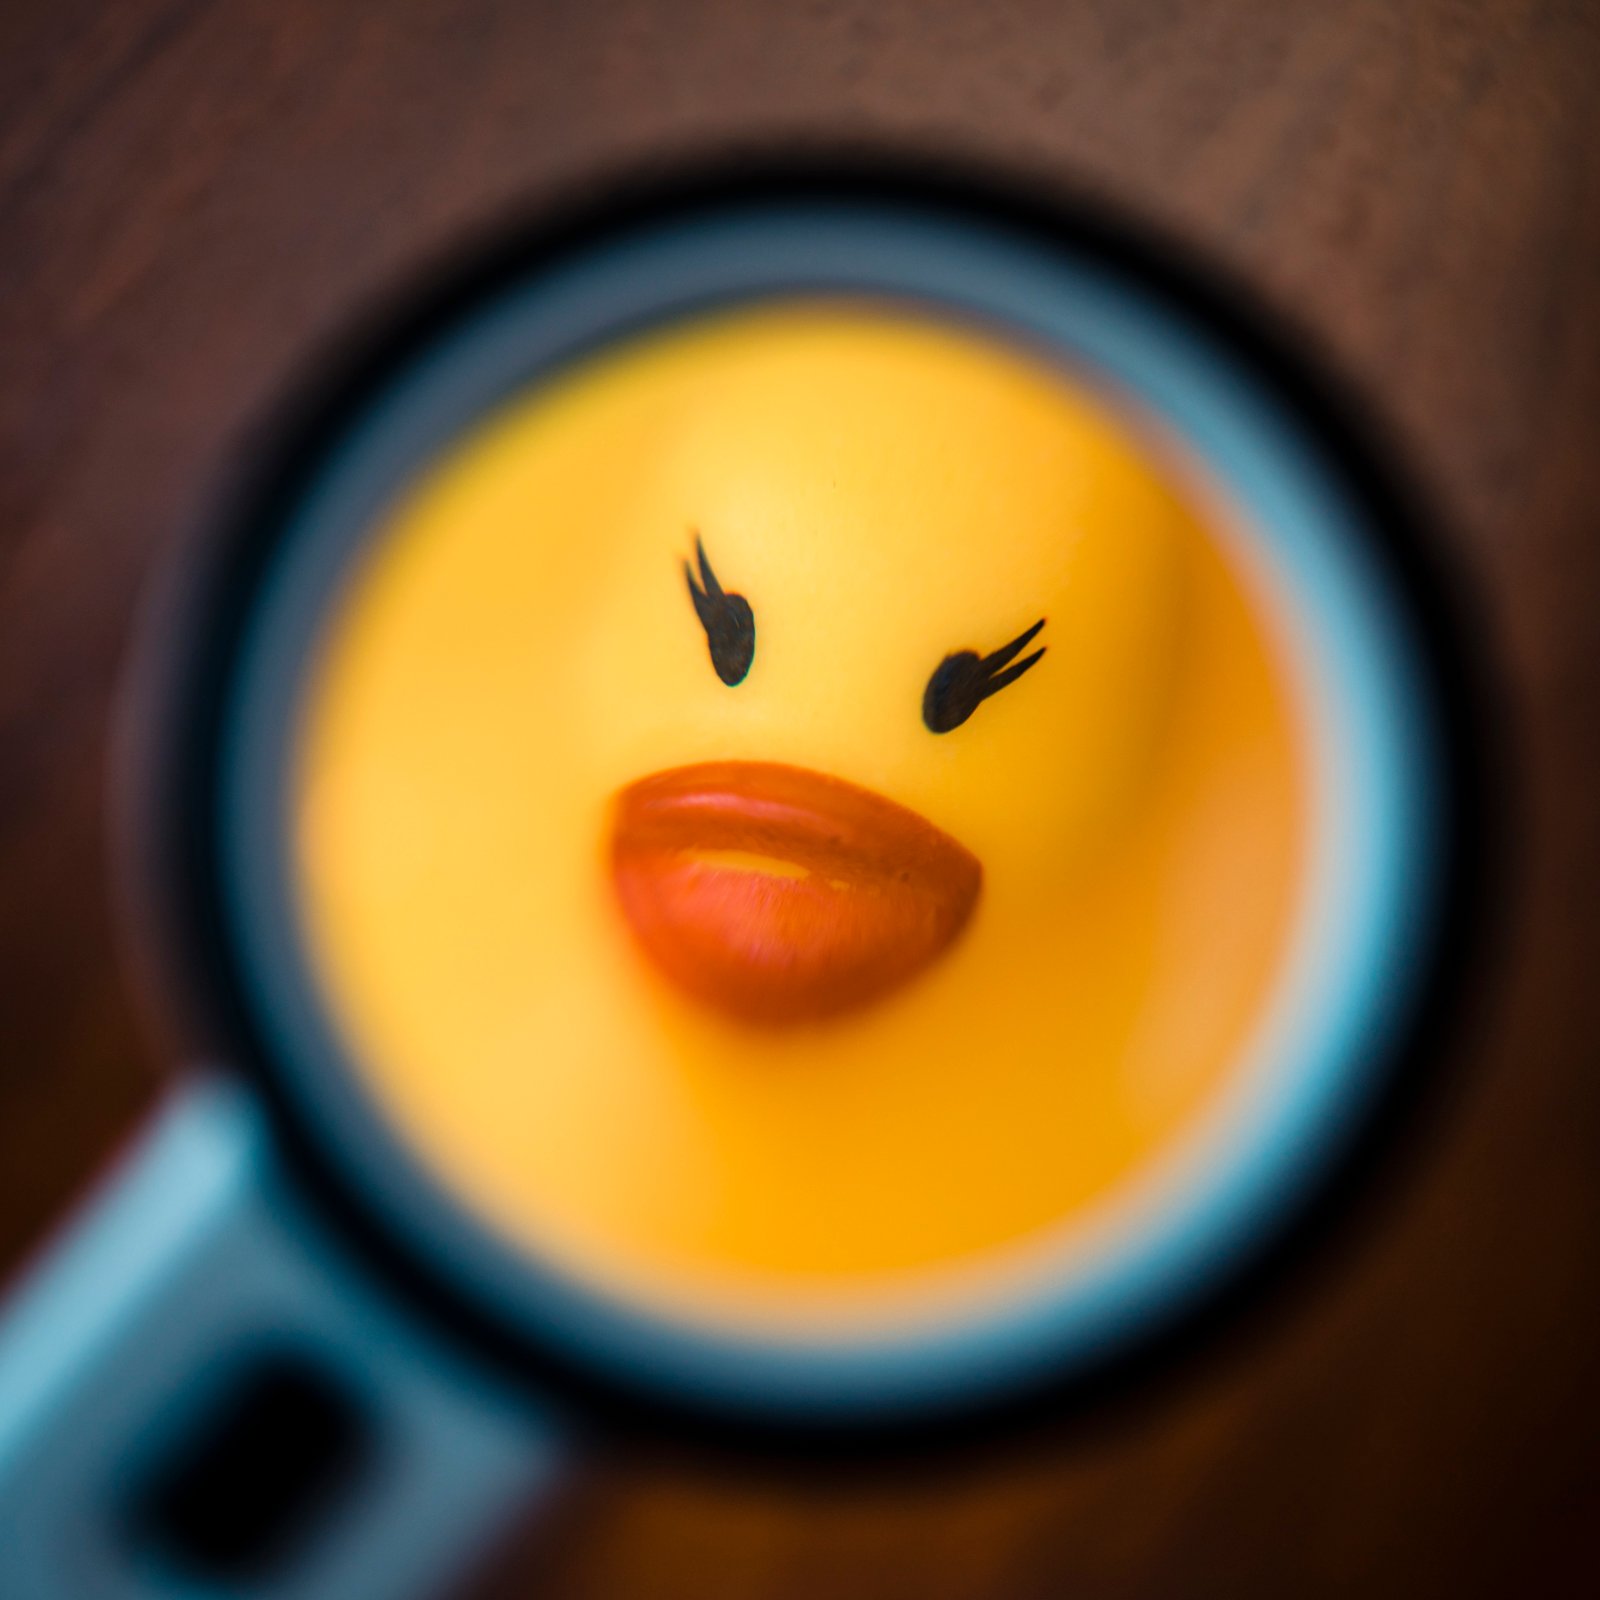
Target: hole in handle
[(245, 1482)]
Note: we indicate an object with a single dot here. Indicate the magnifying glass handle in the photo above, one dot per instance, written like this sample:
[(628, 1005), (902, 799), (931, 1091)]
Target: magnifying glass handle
[(199, 1394)]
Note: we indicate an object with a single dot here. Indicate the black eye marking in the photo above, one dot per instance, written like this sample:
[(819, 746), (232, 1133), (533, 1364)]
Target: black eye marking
[(727, 618), (962, 682)]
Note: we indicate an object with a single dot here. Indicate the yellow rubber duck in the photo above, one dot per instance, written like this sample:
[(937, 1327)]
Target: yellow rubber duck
[(798, 809)]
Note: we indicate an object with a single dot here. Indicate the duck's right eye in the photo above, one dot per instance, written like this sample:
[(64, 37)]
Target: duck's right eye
[(729, 622), (963, 681)]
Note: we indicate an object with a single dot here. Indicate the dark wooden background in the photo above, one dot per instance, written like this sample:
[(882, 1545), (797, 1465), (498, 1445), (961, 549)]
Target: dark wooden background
[(192, 193)]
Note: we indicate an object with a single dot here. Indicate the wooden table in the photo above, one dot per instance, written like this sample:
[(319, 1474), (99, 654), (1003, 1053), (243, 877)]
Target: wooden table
[(191, 194)]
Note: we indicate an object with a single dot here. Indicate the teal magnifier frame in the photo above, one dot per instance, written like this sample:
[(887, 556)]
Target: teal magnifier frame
[(272, 1356)]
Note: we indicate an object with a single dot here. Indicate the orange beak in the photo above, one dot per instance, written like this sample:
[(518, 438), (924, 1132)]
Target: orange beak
[(779, 896)]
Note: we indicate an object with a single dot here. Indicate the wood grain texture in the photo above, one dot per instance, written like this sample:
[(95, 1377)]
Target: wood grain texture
[(190, 194)]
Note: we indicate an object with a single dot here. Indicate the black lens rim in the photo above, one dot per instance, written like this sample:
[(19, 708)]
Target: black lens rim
[(180, 726)]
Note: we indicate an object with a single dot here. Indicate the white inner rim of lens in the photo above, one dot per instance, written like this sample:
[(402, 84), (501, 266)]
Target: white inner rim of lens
[(1314, 1061)]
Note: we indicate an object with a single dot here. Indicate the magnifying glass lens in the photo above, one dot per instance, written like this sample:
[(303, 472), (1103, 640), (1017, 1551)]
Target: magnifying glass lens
[(796, 817)]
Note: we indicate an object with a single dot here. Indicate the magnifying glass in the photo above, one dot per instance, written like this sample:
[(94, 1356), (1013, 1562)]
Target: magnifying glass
[(808, 804)]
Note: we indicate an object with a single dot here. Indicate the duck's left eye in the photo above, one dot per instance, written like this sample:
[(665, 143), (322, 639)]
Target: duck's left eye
[(962, 682), (729, 622)]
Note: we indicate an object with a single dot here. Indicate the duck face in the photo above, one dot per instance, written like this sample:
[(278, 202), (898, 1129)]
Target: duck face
[(909, 612)]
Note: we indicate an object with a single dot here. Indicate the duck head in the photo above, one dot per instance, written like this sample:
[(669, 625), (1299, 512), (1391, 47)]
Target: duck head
[(861, 527)]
